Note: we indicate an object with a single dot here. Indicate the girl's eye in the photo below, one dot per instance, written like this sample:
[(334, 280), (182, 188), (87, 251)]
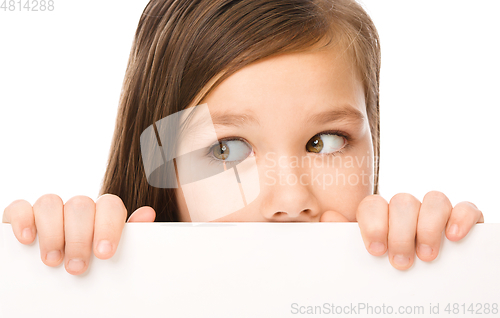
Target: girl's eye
[(325, 143), (231, 150)]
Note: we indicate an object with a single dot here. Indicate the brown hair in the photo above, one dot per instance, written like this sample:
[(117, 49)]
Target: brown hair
[(183, 49)]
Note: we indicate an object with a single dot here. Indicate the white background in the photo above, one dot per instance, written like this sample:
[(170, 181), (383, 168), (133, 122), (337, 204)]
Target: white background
[(61, 74)]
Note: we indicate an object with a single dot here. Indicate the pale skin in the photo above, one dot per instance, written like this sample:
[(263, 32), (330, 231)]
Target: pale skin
[(281, 92)]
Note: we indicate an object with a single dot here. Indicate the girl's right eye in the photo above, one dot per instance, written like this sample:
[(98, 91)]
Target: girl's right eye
[(230, 151)]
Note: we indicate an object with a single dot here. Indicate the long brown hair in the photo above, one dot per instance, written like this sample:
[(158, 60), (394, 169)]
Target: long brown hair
[(183, 49)]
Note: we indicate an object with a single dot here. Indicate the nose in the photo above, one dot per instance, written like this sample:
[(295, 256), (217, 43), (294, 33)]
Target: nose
[(290, 197)]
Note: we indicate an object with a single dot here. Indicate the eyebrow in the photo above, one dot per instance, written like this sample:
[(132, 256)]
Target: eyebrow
[(346, 114), (234, 120)]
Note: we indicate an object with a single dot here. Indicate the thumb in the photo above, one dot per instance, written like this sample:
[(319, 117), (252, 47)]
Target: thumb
[(333, 216), (143, 214)]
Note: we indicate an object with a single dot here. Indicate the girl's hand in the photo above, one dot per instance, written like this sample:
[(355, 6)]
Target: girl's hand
[(404, 225), (74, 229)]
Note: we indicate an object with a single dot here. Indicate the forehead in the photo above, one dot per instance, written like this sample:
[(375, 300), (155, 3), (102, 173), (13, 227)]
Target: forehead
[(302, 81)]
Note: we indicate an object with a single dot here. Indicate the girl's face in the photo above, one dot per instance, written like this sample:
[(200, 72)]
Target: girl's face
[(302, 105)]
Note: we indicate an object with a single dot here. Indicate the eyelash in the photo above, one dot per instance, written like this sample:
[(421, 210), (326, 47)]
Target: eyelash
[(327, 132), (336, 133), (211, 158)]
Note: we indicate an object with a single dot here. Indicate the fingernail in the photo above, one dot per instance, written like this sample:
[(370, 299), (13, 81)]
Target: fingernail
[(425, 250), (104, 247), (27, 233), (401, 260), (53, 256), (377, 247), (75, 265), (454, 229)]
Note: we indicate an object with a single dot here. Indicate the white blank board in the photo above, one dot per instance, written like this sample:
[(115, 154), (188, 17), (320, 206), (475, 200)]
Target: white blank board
[(250, 270)]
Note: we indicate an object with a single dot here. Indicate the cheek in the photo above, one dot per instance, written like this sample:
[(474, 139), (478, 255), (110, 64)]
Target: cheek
[(181, 203), (346, 181)]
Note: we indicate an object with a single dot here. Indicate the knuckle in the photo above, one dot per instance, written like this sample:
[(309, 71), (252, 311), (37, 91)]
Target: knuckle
[(404, 200), (48, 200), (437, 197), (113, 201), (424, 233), (51, 243), (15, 208), (18, 204), (374, 199), (78, 245), (52, 237), (80, 202), (375, 233), (466, 205), (109, 226), (372, 202), (110, 196), (464, 208), (429, 228), (399, 245), (112, 205)]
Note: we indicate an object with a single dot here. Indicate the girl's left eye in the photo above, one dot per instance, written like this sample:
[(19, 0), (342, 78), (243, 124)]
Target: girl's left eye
[(325, 143), (230, 150)]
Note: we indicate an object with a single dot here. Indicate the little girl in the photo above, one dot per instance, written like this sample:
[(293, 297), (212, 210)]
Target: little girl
[(286, 84)]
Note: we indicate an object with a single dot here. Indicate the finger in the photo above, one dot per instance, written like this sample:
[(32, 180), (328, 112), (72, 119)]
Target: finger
[(79, 215), (434, 213), (333, 216), (403, 214), (48, 213), (109, 221), (143, 214), (373, 221), (20, 215), (463, 216)]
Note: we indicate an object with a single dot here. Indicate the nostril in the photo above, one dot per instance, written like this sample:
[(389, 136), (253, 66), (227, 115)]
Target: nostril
[(280, 213), (305, 212)]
